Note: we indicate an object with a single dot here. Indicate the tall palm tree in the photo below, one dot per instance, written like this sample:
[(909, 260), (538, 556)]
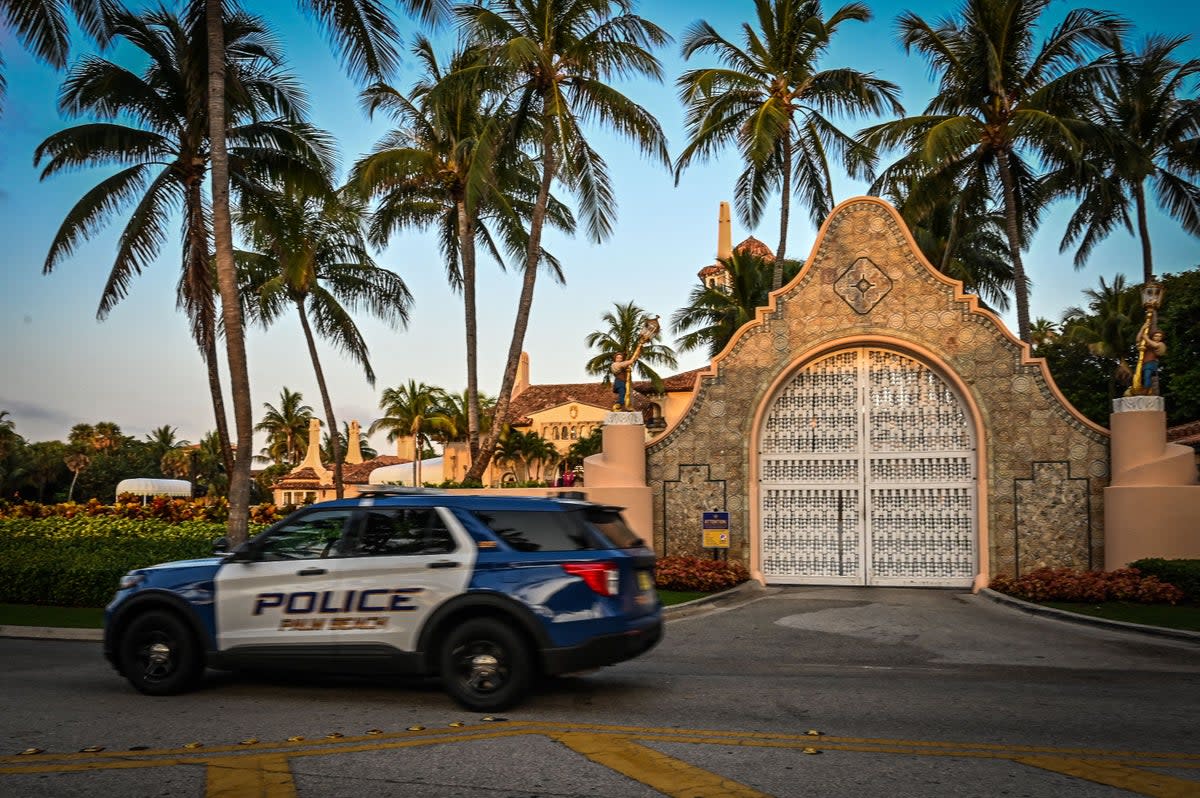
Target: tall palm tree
[(953, 219), (286, 427), (1109, 326), (714, 313), (439, 168), (411, 409), (557, 58), (1151, 133), (153, 126), (771, 101), (455, 407), (1043, 331), (311, 257), (536, 450), (1002, 101), (623, 324), (162, 440), (41, 26), (364, 32)]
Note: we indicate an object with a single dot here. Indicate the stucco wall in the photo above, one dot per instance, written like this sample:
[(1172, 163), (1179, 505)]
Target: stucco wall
[(1042, 466)]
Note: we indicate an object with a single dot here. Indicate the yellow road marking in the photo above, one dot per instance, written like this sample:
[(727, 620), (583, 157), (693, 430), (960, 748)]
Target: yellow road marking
[(1144, 782), (241, 777), (670, 776), (232, 770)]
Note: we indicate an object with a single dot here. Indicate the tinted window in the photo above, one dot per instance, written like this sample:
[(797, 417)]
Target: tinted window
[(397, 531), (613, 527), (541, 531), (311, 536)]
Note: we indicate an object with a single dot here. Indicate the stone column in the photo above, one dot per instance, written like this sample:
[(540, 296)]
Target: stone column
[(1152, 504), (353, 446)]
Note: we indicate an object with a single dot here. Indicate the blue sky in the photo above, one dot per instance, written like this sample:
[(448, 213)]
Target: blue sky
[(139, 367)]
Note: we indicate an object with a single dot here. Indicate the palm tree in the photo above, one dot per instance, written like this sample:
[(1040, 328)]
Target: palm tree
[(162, 440), (587, 446), (286, 427), (1150, 133), (771, 101), (312, 258), (536, 449), (952, 218), (1001, 100), (1042, 332), (41, 26), (440, 168), (714, 313), (1108, 327), (76, 462), (556, 56), (510, 451), (623, 326), (455, 406), (364, 32), (155, 130), (411, 410)]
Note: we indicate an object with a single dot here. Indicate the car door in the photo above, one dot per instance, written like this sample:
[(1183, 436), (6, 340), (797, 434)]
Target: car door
[(406, 561), (287, 594)]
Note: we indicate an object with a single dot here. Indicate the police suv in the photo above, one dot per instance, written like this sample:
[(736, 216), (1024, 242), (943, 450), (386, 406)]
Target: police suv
[(486, 592)]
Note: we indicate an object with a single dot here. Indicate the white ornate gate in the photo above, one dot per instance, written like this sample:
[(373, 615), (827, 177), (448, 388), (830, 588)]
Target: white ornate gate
[(867, 476)]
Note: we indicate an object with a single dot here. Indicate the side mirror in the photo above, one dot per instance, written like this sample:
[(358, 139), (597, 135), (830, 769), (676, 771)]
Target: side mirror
[(220, 546)]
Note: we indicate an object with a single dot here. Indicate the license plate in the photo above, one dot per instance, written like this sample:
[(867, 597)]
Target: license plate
[(644, 581)]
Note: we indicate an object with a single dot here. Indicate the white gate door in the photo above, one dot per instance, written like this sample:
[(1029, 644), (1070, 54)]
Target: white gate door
[(867, 476)]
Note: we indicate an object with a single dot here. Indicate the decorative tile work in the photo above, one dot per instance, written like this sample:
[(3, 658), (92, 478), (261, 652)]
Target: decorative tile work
[(1024, 421), (863, 285), (680, 506), (1052, 509)]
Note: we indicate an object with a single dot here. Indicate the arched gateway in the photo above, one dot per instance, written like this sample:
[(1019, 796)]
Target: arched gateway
[(867, 475), (874, 425)]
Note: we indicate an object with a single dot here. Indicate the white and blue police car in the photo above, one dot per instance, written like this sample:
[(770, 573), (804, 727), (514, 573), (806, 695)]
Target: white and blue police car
[(486, 592)]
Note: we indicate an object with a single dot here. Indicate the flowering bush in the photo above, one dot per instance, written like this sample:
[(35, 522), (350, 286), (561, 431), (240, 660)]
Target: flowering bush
[(694, 573), (129, 506), (1068, 584)]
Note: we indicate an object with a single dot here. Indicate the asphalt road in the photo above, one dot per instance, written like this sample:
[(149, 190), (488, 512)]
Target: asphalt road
[(913, 693)]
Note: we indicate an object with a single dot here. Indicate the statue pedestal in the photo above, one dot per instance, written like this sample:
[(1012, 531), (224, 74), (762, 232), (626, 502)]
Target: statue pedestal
[(1152, 505), (618, 474)]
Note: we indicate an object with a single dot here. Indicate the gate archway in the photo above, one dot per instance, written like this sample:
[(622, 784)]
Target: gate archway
[(867, 475)]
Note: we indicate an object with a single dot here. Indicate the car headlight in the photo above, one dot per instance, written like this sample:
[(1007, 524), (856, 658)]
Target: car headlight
[(132, 579)]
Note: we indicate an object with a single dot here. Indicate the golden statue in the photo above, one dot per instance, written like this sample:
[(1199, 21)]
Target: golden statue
[(1150, 344), (622, 369)]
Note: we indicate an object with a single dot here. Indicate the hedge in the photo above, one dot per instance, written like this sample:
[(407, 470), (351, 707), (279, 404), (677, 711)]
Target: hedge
[(77, 561), (1068, 584), (695, 573), (1183, 574)]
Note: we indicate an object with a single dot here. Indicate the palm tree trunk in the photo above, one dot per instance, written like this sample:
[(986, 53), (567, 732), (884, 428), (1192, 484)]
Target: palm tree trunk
[(1021, 287), (200, 301), (785, 211), (334, 444), (1139, 196), (231, 310), (71, 490), (524, 304), (951, 241), (466, 247)]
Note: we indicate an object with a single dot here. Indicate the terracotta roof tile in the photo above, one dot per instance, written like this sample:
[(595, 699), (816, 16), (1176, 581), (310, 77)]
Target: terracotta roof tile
[(755, 247), (536, 398), (1186, 434)]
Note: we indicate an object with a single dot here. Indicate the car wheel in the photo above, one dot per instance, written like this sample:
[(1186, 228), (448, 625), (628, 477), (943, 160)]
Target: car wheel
[(485, 665), (159, 654)]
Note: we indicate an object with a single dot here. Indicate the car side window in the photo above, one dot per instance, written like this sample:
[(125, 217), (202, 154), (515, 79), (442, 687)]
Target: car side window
[(399, 531), (312, 536)]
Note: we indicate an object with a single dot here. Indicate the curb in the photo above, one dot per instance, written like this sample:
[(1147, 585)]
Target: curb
[(52, 633), (744, 593), (1088, 620)]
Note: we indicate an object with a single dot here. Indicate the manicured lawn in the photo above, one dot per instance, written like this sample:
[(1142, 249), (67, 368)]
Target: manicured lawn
[(1185, 617), (34, 615), (669, 597)]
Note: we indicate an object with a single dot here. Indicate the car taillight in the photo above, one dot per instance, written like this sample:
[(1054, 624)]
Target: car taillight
[(602, 577)]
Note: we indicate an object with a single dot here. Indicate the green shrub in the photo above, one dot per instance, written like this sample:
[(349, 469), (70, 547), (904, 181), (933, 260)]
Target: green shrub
[(695, 573), (1068, 584), (1183, 574), (76, 561)]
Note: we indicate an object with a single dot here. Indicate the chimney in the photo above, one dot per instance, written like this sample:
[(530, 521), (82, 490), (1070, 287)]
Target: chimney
[(353, 447), (724, 233), (522, 379), (312, 459)]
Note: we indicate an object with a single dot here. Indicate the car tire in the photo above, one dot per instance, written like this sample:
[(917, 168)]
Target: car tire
[(159, 654), (485, 665)]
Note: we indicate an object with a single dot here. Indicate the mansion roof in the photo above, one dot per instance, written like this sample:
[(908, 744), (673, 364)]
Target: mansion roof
[(352, 473)]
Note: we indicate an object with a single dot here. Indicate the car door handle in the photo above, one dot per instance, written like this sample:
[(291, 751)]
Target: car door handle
[(443, 564), (311, 572)]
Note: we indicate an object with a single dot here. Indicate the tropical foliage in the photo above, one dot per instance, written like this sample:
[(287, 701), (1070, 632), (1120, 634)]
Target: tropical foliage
[(770, 100), (623, 325)]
